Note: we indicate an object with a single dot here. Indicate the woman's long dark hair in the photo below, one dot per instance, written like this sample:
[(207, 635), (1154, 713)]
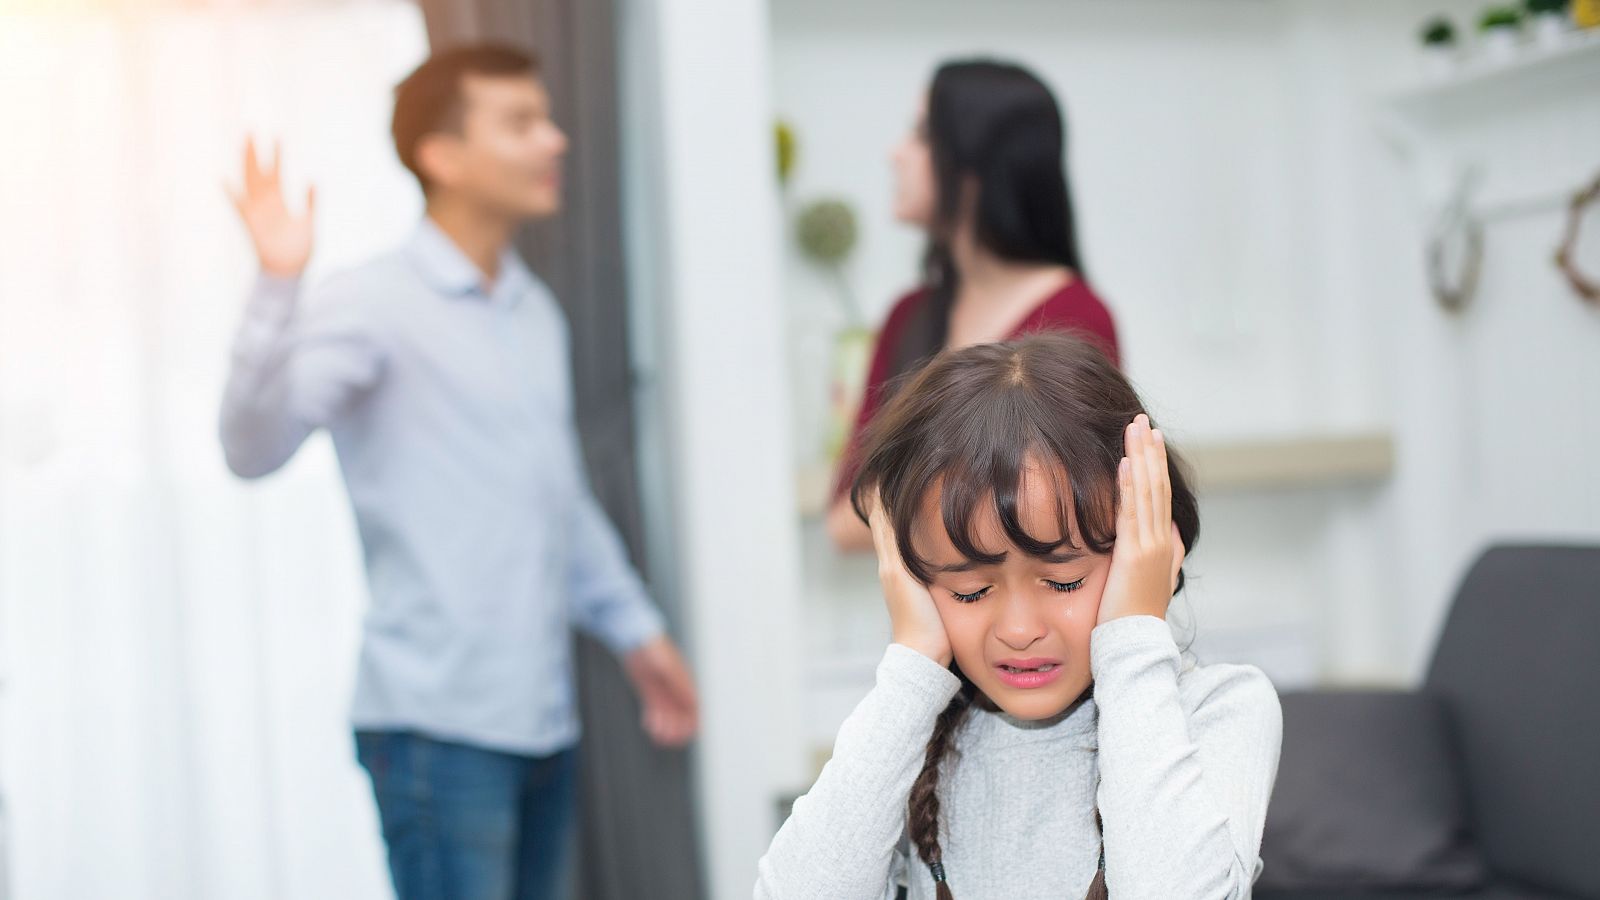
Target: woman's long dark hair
[(998, 140), (968, 424)]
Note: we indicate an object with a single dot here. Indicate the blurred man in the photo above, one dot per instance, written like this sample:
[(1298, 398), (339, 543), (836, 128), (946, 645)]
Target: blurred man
[(441, 370)]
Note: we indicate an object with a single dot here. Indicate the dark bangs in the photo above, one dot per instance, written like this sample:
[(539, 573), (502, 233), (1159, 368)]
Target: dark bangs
[(972, 422)]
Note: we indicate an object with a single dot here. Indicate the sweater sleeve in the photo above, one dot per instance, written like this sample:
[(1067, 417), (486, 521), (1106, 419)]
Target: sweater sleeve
[(1185, 774), (840, 841)]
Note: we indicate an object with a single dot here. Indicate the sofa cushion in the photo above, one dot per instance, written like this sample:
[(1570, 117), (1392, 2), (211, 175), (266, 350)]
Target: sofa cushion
[(1367, 797)]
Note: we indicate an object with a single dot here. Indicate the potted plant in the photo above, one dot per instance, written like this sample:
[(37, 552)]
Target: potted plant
[(826, 231), (1549, 18), (1439, 45), (1499, 28)]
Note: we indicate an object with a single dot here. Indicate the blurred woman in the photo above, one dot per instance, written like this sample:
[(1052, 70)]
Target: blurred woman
[(983, 174)]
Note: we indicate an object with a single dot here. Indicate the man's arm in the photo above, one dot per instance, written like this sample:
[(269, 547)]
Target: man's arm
[(608, 600), (291, 372)]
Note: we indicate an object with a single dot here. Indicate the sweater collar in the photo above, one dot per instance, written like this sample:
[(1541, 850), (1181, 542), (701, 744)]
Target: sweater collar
[(1076, 724)]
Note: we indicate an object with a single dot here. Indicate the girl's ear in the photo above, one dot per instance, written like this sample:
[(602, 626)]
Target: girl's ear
[(1177, 556)]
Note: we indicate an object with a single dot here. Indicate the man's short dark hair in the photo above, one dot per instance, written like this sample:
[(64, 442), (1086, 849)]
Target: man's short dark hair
[(431, 99)]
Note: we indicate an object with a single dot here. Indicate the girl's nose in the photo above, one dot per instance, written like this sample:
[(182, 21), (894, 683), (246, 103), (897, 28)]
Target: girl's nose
[(1019, 624)]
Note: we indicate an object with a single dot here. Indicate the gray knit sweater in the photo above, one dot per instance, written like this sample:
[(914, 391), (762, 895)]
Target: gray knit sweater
[(1184, 758)]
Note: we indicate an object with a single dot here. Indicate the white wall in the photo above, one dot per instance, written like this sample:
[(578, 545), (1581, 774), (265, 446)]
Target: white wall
[(1468, 396), (703, 230)]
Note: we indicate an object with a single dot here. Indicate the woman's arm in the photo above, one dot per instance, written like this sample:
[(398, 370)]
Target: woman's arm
[(845, 528), (1185, 775), (840, 840)]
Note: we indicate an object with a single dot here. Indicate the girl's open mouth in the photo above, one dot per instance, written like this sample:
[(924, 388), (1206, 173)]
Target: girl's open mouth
[(1028, 673)]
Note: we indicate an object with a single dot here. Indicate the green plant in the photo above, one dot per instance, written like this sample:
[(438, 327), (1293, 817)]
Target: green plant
[(1438, 32), (788, 149), (1500, 17), (826, 230), (1545, 7)]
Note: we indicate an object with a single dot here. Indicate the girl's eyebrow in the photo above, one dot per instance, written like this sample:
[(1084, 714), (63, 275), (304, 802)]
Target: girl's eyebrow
[(1065, 555)]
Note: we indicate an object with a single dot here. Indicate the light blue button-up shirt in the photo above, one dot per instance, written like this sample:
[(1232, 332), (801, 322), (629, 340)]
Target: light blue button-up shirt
[(450, 406)]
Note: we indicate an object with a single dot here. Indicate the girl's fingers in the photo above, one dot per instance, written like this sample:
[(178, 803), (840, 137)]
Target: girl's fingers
[(1127, 503), (882, 533), (1177, 555), (1138, 436), (1160, 484), (1127, 516), (883, 540)]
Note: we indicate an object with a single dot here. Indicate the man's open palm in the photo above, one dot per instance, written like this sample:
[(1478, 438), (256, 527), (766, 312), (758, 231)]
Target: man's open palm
[(282, 240)]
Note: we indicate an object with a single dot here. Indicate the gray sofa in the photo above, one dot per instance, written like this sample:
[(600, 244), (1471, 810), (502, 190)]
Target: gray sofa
[(1484, 783)]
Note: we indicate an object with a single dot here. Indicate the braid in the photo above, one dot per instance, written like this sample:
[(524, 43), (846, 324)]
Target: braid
[(923, 807), (1097, 887)]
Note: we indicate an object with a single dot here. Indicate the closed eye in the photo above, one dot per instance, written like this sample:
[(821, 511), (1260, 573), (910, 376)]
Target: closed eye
[(1065, 588), (973, 597)]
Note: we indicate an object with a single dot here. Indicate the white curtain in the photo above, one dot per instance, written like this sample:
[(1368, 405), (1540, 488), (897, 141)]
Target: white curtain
[(176, 647)]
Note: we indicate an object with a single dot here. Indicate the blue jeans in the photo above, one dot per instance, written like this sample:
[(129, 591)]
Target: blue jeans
[(464, 823)]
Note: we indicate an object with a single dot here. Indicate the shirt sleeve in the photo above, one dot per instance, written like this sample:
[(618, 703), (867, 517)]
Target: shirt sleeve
[(607, 598), (292, 372), (841, 841), (1185, 776)]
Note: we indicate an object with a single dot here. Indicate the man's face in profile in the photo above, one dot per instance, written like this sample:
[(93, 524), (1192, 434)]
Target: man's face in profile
[(507, 152)]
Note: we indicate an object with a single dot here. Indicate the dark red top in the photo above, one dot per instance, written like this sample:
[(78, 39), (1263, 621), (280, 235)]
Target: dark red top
[(1074, 307)]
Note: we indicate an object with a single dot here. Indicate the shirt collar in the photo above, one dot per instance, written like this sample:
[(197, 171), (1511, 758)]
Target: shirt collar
[(447, 270)]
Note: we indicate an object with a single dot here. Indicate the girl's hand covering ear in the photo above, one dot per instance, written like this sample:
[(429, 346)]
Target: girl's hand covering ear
[(1148, 551), (913, 617)]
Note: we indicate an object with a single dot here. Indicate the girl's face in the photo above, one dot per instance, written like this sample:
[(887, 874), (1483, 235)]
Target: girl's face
[(1019, 629), (915, 192)]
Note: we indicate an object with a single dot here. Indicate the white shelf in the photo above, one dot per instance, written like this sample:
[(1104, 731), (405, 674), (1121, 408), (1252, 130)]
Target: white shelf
[(1482, 88), (1292, 461), (1306, 461)]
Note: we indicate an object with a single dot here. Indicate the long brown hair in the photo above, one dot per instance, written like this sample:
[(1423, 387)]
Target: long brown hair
[(969, 422), (997, 127)]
